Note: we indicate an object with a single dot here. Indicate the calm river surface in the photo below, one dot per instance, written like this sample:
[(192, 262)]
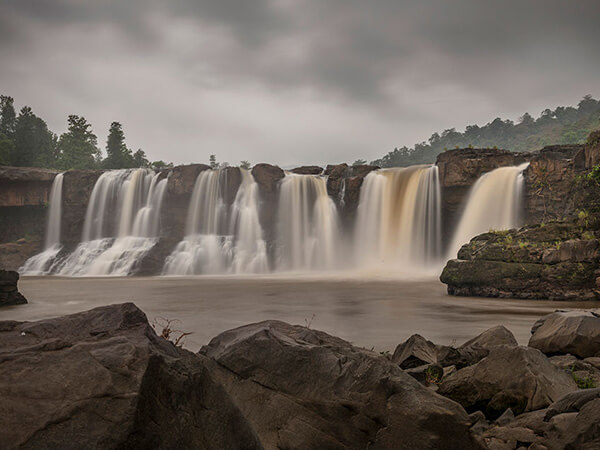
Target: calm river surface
[(369, 312)]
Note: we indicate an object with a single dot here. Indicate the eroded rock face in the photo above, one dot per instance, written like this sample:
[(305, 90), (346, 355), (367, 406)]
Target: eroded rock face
[(519, 378), (103, 379), (14, 254), (9, 292), (556, 261), (77, 189), (576, 332), (180, 185), (302, 388), (268, 177)]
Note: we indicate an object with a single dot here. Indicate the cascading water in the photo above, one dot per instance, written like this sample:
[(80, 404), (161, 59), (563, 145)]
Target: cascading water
[(220, 238), (307, 224), (41, 263), (398, 218), (121, 224), (495, 202)]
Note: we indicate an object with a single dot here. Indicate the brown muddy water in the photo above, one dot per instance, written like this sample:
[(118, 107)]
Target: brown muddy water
[(369, 312)]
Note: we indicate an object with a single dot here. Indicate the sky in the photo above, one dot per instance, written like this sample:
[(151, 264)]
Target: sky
[(294, 82)]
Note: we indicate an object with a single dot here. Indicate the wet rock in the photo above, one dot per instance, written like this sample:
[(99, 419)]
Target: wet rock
[(9, 293), (576, 332), (77, 189), (519, 378), (180, 185), (103, 379), (268, 178), (152, 262), (302, 388)]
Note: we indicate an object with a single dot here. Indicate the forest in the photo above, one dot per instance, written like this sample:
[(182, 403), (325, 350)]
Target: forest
[(25, 140), (563, 125)]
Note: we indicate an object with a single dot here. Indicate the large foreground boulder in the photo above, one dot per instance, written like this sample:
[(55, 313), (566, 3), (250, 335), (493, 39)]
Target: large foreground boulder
[(302, 388), (9, 293), (575, 332), (103, 379), (519, 378)]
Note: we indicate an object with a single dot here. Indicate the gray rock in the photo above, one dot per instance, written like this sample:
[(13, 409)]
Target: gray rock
[(103, 379), (506, 417), (414, 352), (519, 378), (9, 293), (495, 336), (302, 388), (572, 402), (576, 332)]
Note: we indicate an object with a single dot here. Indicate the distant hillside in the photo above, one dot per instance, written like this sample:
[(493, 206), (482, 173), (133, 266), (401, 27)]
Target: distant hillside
[(564, 125)]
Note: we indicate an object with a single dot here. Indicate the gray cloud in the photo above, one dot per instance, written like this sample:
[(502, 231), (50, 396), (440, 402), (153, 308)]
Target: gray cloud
[(294, 81)]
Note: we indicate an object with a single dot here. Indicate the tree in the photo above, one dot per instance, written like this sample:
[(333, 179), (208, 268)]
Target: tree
[(78, 146), (7, 116), (359, 162), (157, 165), (245, 165), (118, 156), (34, 144), (212, 162), (139, 159), (6, 149)]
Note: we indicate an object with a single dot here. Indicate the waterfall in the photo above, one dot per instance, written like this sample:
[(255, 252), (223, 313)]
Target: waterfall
[(398, 218), (495, 202), (307, 224), (121, 224), (41, 263), (220, 238)]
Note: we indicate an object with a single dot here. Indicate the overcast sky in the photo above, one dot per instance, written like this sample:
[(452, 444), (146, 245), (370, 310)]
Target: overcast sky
[(292, 81)]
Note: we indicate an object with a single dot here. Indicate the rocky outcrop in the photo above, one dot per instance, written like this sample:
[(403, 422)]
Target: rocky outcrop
[(24, 193), (9, 292), (556, 261), (308, 170), (14, 254), (268, 177), (77, 189), (302, 388), (519, 378), (459, 169), (180, 185), (103, 379), (343, 186), (574, 332), (550, 188)]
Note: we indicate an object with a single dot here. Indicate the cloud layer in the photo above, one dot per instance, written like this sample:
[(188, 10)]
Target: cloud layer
[(293, 81)]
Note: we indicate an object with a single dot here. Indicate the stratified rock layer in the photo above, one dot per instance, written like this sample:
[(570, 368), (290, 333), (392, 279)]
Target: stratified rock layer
[(103, 379)]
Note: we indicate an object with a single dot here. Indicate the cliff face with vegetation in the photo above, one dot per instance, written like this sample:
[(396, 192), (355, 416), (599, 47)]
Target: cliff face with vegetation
[(558, 256)]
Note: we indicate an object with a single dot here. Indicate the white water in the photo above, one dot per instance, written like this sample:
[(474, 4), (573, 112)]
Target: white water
[(307, 224), (399, 219), (121, 225), (494, 203), (220, 238), (42, 263)]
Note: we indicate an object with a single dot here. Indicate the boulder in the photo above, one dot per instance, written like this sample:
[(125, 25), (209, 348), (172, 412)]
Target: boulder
[(267, 177), (572, 402), (519, 378), (308, 170), (576, 332), (414, 352), (9, 293), (493, 337), (104, 379), (303, 388)]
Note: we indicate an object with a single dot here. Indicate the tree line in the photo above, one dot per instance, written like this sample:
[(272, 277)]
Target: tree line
[(563, 125), (25, 140)]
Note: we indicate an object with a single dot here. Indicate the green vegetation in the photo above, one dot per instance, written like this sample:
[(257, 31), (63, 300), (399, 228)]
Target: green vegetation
[(586, 382), (25, 140), (563, 125)]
